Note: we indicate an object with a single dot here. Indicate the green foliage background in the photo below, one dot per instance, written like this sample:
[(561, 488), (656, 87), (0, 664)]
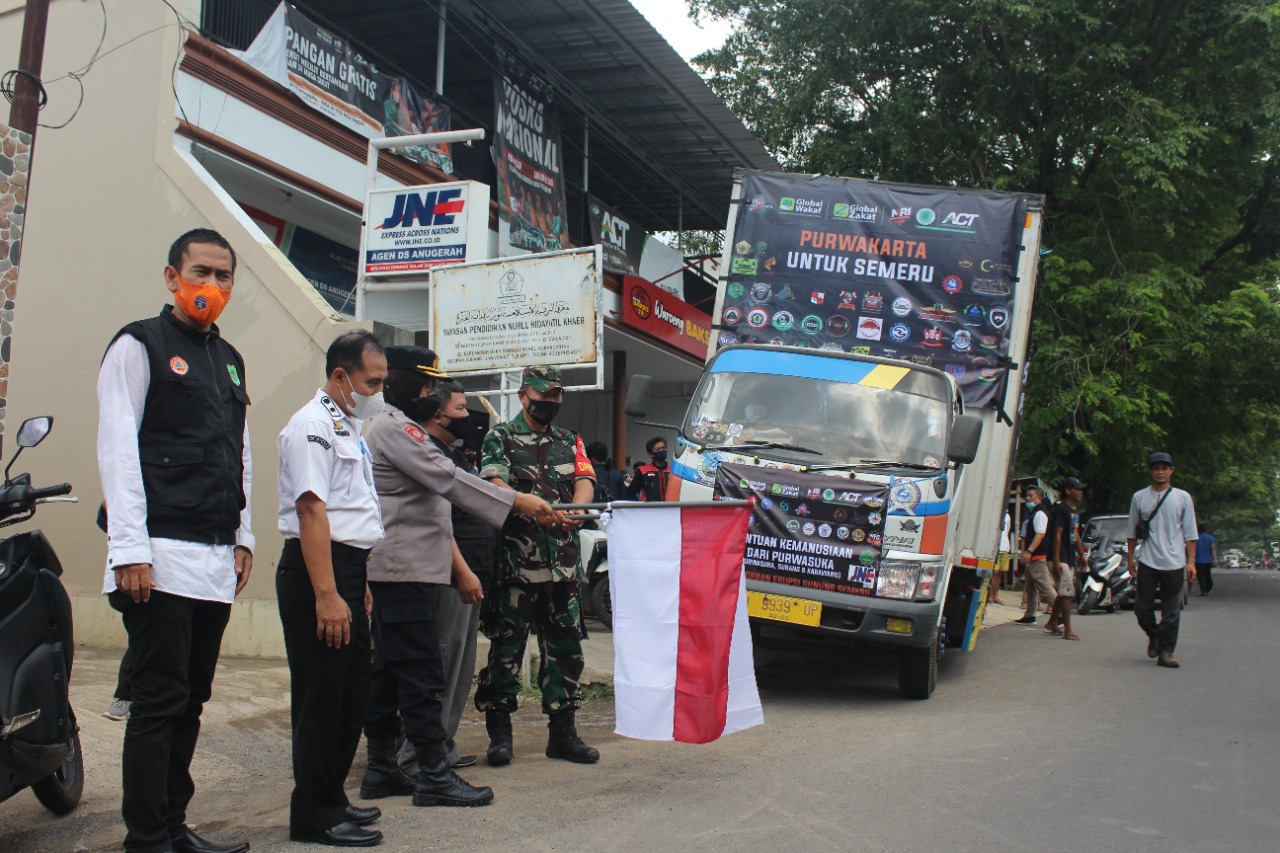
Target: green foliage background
[(1152, 128)]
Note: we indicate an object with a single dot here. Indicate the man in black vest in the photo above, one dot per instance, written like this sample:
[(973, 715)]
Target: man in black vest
[(173, 453)]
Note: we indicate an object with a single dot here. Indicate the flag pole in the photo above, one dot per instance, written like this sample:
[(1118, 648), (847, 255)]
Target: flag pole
[(654, 504)]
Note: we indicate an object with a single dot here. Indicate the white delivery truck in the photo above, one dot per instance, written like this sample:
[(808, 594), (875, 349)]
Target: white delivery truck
[(863, 386)]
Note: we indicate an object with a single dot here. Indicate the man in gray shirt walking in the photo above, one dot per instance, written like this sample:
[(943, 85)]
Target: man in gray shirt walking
[(1164, 520)]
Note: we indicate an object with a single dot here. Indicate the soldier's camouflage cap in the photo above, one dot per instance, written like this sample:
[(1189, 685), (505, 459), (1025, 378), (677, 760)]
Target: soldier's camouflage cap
[(541, 378)]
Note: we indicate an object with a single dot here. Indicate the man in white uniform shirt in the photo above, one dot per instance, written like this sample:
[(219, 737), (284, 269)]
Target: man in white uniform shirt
[(330, 519), (173, 454), (1168, 556)]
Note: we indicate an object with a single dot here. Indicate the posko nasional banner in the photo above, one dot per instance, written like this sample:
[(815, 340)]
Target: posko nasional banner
[(924, 274)]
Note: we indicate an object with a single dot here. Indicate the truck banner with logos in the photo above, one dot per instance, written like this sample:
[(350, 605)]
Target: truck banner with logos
[(510, 313), (809, 530), (923, 274), (411, 229), (662, 315), (331, 77), (528, 156), (623, 245)]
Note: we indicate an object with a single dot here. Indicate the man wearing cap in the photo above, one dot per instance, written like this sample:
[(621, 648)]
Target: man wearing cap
[(538, 572), (413, 565), (1163, 519), (1065, 554)]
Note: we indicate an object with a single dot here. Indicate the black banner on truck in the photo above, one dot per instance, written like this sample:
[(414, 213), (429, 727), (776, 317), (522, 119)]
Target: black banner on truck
[(809, 530), (923, 274)]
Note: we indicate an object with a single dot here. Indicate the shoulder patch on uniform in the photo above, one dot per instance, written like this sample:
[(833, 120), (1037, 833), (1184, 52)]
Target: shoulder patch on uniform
[(415, 433), (331, 407), (178, 365), (320, 441)]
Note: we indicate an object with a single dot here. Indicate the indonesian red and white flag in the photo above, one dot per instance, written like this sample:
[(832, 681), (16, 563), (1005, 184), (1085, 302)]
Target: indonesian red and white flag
[(683, 667)]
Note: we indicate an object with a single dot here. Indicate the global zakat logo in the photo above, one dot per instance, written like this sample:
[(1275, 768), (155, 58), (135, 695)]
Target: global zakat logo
[(856, 212), (801, 206), (899, 215), (953, 284), (641, 306), (424, 209), (870, 328)]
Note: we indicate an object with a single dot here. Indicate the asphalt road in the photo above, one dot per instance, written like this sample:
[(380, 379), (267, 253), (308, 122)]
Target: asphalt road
[(1030, 743)]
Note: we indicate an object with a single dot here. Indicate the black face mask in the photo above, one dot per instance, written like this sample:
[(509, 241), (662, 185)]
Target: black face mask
[(660, 456), (543, 411), (422, 409), (460, 427)]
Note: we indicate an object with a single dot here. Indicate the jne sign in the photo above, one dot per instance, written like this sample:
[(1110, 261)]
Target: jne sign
[(412, 229), (652, 310)]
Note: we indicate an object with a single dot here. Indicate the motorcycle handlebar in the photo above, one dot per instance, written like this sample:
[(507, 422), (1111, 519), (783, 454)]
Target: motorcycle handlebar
[(51, 491)]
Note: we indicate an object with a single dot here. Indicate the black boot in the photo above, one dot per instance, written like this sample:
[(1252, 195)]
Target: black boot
[(563, 741), (501, 750), (383, 777), (437, 785)]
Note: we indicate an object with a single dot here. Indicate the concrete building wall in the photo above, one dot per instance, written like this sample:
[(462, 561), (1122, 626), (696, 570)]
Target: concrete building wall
[(108, 194)]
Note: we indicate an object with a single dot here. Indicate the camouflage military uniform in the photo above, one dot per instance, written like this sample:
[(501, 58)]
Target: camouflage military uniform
[(538, 572)]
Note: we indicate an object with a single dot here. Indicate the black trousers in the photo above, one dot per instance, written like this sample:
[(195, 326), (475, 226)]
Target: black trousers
[(173, 652), (1204, 576), (408, 676), (1168, 585), (329, 687), (122, 680)]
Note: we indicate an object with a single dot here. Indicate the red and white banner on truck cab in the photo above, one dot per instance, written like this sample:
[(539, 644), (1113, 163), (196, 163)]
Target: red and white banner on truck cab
[(683, 667)]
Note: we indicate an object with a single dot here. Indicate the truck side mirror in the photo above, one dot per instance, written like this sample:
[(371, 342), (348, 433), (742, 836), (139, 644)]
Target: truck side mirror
[(637, 403), (962, 446)]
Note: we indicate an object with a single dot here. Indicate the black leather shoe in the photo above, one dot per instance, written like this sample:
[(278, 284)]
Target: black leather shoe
[(186, 841), (362, 817), (345, 834), (466, 761)]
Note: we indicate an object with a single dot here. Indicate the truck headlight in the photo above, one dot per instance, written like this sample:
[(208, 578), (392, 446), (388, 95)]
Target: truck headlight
[(907, 580)]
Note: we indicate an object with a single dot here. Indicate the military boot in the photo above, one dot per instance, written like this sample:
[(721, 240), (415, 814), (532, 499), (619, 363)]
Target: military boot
[(563, 741), (383, 777), (501, 750), (437, 785)]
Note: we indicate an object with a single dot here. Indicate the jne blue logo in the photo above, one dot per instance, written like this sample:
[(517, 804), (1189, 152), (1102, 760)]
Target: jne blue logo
[(428, 208)]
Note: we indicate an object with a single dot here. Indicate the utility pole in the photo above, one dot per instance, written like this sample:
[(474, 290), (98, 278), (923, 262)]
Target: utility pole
[(28, 94)]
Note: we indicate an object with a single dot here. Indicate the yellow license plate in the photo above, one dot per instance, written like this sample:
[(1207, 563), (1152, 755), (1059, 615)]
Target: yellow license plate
[(780, 608)]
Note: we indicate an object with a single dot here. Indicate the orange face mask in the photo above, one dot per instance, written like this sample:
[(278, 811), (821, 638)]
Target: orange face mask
[(201, 302)]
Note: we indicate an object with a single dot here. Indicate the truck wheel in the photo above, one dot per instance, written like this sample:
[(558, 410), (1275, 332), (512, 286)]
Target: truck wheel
[(918, 671), (60, 793), (1087, 601), (601, 604)]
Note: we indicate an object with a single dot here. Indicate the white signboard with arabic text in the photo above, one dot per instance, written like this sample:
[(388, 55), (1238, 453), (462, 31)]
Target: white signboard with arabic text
[(511, 313)]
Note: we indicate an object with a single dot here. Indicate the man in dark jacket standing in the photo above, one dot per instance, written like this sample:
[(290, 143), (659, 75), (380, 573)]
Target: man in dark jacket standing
[(173, 454)]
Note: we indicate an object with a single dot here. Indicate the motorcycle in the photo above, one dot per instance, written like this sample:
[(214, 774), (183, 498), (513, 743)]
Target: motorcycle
[(1109, 584), (39, 738), (595, 571)]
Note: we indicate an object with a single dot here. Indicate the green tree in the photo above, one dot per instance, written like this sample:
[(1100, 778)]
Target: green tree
[(1151, 127)]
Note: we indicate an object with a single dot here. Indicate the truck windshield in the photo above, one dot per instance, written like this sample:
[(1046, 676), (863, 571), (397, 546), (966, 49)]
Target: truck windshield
[(821, 421)]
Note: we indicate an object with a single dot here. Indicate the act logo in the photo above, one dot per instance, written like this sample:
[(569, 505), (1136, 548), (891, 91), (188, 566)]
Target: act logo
[(960, 220), (433, 207)]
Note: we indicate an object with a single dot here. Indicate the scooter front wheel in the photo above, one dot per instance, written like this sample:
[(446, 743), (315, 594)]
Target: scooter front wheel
[(60, 793)]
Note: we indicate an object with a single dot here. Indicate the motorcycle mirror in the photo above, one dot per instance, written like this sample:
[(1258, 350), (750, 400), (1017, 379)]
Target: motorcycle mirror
[(34, 430)]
